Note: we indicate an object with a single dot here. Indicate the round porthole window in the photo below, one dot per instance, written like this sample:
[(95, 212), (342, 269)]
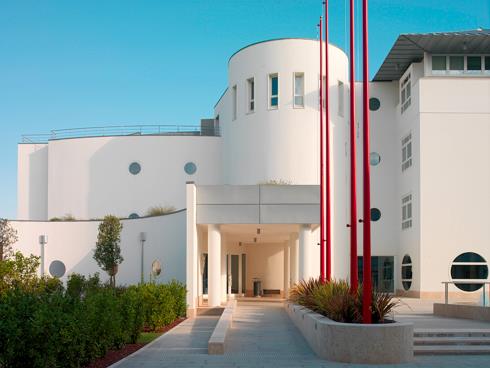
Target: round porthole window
[(469, 266), (57, 269), (375, 214), (134, 168), (374, 158), (407, 272), (134, 216), (156, 267), (190, 168), (374, 104)]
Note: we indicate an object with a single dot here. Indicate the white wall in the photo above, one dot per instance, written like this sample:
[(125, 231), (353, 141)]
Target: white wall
[(455, 174), (73, 243), (266, 262), (32, 181), (89, 177)]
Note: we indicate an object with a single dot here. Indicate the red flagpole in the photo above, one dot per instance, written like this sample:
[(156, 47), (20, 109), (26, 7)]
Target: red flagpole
[(353, 158), (327, 145), (322, 201), (367, 287)]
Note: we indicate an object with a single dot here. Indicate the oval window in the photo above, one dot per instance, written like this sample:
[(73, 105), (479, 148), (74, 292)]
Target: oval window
[(374, 104), (469, 266), (57, 269), (374, 158), (190, 168), (134, 168), (407, 272), (375, 214)]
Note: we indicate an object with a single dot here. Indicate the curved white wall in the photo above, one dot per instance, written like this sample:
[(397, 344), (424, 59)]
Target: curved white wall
[(89, 177), (73, 243), (283, 143)]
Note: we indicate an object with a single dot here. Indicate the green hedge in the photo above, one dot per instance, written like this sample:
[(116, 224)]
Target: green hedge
[(50, 326)]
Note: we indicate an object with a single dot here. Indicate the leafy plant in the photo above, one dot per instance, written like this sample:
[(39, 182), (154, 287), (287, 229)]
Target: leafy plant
[(302, 292), (107, 250), (8, 236), (19, 271), (160, 210)]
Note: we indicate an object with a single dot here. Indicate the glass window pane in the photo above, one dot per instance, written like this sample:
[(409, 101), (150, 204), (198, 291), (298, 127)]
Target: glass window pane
[(456, 63), (438, 63), (274, 86), (298, 84), (298, 100), (274, 101), (473, 63), (487, 62)]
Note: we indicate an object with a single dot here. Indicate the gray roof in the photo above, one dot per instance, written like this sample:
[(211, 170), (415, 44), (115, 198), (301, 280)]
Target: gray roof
[(409, 48)]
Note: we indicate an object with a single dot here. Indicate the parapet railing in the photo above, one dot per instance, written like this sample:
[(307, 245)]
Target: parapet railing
[(122, 130), (465, 282)]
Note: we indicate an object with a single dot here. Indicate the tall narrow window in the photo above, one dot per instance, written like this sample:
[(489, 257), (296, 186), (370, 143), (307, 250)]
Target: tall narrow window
[(406, 93), (251, 94), (341, 98), (487, 63), (299, 90), (407, 152), (234, 102), (273, 91), (407, 212)]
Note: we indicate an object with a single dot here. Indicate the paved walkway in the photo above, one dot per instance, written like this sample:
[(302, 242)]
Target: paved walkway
[(262, 336)]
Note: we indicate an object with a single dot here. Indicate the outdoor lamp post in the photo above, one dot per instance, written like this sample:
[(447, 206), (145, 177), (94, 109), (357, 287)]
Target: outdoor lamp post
[(142, 240), (43, 240)]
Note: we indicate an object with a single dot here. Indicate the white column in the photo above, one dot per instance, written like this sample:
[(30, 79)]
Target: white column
[(191, 251), (294, 245), (240, 286), (305, 252), (286, 269), (229, 276), (214, 266), (224, 274)]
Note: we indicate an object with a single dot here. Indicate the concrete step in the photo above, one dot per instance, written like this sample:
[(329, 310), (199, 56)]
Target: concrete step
[(444, 332), (451, 350), (456, 341)]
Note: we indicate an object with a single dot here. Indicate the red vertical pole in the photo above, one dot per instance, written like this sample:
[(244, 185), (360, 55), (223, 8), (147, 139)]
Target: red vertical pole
[(366, 249), (353, 158), (322, 170), (327, 146)]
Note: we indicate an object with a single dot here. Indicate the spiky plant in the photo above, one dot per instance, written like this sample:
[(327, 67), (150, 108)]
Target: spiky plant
[(335, 301), (302, 292), (382, 306)]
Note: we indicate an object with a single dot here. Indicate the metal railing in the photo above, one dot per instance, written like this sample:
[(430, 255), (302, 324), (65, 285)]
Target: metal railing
[(122, 130), (464, 282)]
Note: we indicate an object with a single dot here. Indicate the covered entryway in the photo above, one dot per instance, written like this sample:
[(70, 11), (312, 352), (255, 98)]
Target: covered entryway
[(238, 236)]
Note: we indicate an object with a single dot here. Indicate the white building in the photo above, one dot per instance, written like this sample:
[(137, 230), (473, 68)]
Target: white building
[(430, 175)]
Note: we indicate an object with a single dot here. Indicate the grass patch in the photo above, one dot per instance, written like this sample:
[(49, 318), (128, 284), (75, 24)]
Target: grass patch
[(160, 210), (146, 337)]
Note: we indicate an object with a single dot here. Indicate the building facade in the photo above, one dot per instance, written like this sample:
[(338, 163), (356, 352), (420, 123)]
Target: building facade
[(247, 179)]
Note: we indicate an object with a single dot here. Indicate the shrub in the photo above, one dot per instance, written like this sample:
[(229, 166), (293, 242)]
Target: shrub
[(67, 217), (160, 210), (335, 300), (107, 249)]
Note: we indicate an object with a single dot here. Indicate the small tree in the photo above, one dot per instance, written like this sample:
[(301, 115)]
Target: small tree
[(107, 250), (8, 236)]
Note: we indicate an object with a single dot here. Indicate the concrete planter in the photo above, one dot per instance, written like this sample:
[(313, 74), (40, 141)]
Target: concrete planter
[(352, 342)]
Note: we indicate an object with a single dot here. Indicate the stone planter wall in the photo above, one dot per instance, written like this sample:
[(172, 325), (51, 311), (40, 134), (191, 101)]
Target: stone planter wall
[(352, 342), (475, 312)]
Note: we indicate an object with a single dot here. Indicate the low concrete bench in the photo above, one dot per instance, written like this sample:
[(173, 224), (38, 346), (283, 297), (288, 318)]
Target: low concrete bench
[(217, 341)]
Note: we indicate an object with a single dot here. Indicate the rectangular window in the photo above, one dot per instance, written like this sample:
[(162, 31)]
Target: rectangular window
[(456, 63), (299, 90), (473, 63), (251, 94), (341, 98), (273, 91), (407, 152), (406, 93), (407, 212), (439, 63), (234, 102), (487, 63), (382, 272)]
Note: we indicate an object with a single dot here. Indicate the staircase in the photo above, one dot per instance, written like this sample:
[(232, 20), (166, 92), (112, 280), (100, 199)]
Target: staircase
[(451, 341)]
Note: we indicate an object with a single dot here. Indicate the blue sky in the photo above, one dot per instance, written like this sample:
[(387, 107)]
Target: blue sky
[(70, 64)]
